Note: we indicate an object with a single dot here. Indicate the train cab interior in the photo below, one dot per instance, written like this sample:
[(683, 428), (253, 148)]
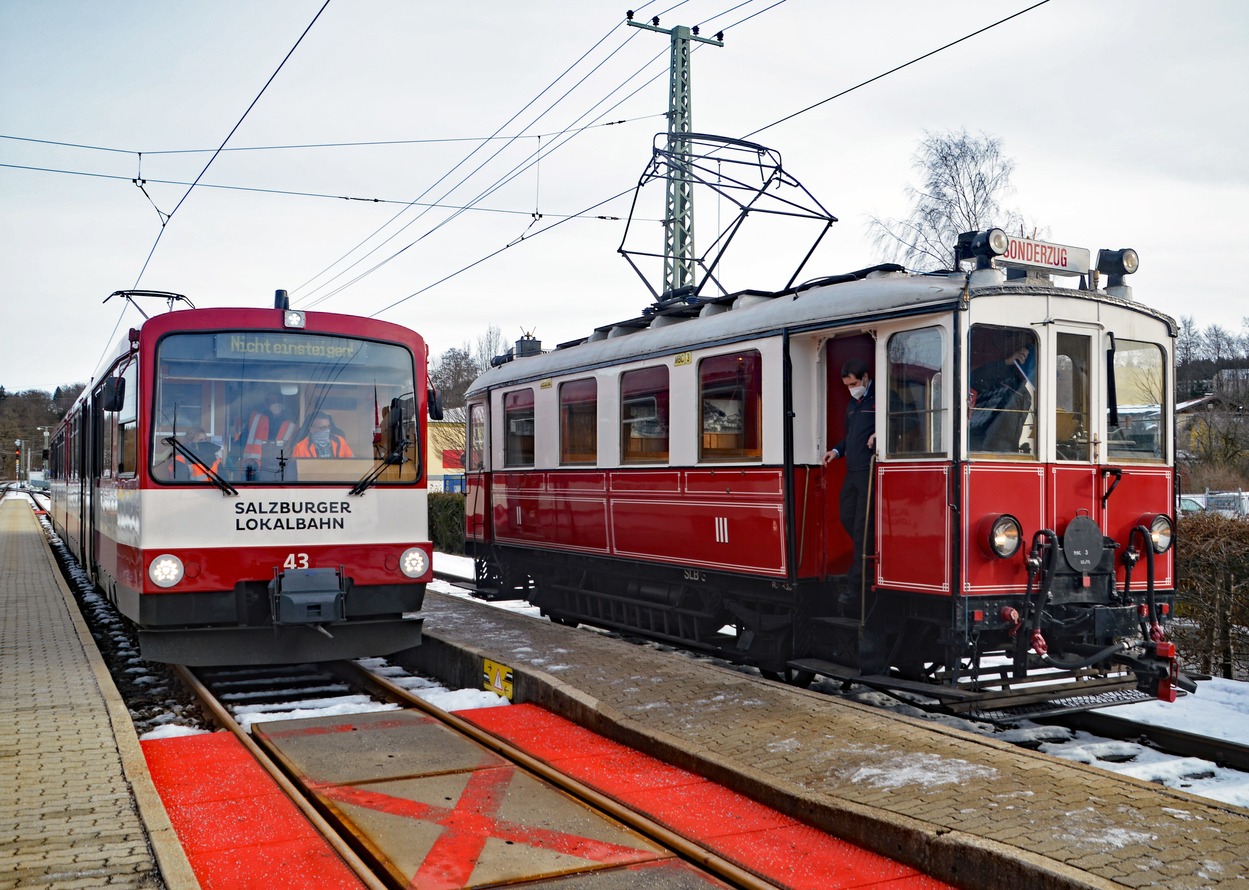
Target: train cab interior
[(272, 408)]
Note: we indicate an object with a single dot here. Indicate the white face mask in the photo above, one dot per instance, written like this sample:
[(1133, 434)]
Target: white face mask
[(321, 437), (858, 392)]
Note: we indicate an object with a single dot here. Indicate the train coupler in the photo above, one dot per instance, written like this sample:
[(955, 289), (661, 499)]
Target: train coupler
[(307, 596), (1157, 671)]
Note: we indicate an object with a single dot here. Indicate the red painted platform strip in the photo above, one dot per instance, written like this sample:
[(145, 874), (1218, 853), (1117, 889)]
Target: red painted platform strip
[(770, 844), (238, 829)]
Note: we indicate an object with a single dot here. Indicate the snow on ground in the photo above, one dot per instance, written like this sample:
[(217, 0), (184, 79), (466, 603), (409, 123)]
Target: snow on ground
[(1219, 709)]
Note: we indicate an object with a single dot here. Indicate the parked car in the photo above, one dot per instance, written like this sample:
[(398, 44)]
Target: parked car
[(1192, 503)]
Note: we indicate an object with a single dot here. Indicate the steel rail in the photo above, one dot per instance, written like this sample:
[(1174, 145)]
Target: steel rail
[(362, 870), (1173, 741), (688, 849)]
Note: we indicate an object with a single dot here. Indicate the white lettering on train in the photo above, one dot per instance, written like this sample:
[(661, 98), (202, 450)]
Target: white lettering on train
[(291, 507), (299, 523)]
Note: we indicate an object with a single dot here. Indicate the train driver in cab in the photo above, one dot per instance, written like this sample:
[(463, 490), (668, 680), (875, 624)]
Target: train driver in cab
[(321, 440), (196, 439)]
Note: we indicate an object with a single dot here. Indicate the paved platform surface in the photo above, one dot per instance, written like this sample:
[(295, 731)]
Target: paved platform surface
[(78, 808), (960, 807)]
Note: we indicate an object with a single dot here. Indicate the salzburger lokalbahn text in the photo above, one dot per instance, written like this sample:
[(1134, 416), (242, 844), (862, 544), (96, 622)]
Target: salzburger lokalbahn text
[(248, 486), (666, 477)]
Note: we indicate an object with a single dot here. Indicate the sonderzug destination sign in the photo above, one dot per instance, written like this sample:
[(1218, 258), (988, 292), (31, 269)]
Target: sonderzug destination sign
[(290, 515)]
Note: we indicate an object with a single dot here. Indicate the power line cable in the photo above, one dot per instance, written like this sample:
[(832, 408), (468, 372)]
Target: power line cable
[(307, 145), (895, 69), (233, 130), (516, 170), (265, 191), (444, 176)]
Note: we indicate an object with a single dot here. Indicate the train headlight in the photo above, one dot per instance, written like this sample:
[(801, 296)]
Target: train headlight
[(414, 563), (292, 318), (165, 570), (1001, 536), (1161, 533)]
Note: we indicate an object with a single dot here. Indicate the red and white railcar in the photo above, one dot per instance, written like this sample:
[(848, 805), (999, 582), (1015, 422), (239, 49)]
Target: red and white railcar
[(664, 477), (180, 484)]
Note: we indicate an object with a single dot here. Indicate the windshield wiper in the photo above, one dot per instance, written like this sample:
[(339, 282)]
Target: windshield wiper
[(194, 458), (370, 478)]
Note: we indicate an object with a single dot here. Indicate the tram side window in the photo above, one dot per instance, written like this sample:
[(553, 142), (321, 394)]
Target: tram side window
[(476, 438), (578, 421), (128, 424), (1001, 394), (518, 423), (1071, 397), (916, 407), (1139, 394), (730, 390), (644, 415)]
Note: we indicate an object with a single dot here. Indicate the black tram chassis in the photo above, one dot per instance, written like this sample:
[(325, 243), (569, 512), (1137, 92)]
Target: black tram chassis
[(777, 621)]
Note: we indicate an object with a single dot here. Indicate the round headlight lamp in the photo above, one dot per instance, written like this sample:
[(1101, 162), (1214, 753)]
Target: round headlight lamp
[(165, 570), (414, 563), (1001, 536), (1161, 533)]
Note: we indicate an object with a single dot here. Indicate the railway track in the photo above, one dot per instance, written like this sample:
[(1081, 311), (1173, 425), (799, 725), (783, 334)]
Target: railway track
[(240, 697)]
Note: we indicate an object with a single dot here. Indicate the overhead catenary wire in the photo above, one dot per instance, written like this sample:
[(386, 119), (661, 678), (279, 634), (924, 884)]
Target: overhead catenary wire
[(283, 192), (516, 170), (442, 178), (812, 107), (233, 130)]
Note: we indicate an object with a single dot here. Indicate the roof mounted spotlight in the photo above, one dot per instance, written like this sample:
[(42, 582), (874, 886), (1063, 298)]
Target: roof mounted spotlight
[(292, 318), (986, 245), (1114, 264)]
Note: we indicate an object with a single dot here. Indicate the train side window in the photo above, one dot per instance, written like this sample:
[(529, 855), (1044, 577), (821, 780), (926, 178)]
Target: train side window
[(1140, 397), (1071, 397), (476, 438), (127, 425), (916, 411), (1001, 394), (644, 415), (518, 422), (578, 421), (730, 391)]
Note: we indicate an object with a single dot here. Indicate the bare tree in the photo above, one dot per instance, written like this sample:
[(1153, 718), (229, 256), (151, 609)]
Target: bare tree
[(489, 345), (965, 178), (451, 374)]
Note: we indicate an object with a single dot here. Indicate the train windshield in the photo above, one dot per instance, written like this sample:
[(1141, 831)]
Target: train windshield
[(275, 408)]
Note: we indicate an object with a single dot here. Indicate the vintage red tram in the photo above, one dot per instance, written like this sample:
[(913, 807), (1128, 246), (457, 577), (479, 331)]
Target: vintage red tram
[(664, 477), (247, 485)]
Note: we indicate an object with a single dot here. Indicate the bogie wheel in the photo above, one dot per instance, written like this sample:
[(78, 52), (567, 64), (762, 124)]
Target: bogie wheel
[(801, 679)]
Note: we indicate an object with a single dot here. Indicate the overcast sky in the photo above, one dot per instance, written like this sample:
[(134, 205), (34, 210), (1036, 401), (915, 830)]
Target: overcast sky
[(1127, 120)]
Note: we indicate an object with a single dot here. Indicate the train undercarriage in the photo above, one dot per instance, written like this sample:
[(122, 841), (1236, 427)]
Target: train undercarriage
[(984, 657)]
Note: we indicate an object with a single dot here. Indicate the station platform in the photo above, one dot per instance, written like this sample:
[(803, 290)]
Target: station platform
[(79, 808), (959, 807), (82, 809)]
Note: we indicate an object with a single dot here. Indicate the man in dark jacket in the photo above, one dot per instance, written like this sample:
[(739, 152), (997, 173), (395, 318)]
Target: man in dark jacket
[(858, 448)]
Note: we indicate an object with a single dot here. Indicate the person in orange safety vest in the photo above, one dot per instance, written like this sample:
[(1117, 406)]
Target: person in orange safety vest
[(321, 440), (198, 442)]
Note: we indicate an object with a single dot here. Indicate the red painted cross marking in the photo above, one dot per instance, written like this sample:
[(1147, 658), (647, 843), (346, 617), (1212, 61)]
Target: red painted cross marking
[(471, 822)]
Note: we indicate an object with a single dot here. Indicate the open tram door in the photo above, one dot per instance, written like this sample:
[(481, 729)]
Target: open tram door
[(478, 525), (838, 547), (107, 398)]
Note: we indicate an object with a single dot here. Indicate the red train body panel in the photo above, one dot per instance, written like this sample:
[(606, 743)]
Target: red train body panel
[(665, 476), (201, 525)]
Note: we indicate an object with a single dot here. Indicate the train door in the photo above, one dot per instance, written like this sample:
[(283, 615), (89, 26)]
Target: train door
[(477, 511), (838, 549), (1075, 483), (93, 477)]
